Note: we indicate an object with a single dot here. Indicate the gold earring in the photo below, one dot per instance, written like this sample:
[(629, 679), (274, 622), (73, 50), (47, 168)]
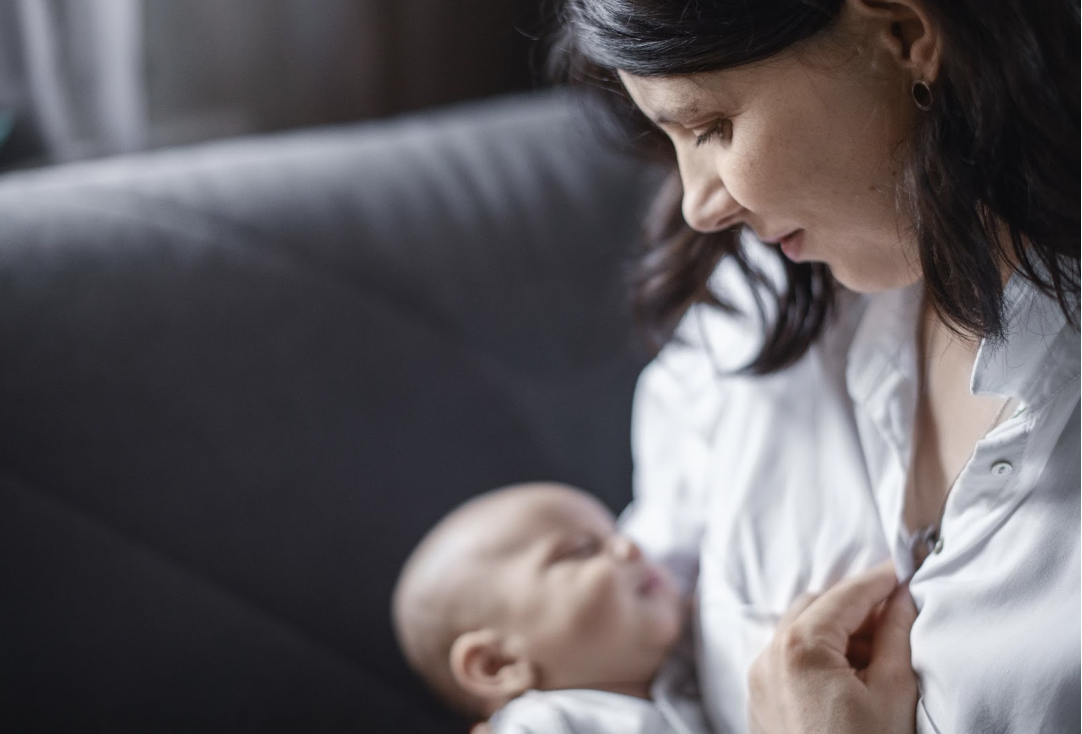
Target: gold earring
[(922, 95)]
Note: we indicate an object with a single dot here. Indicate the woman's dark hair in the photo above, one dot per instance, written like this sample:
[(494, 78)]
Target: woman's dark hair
[(992, 170)]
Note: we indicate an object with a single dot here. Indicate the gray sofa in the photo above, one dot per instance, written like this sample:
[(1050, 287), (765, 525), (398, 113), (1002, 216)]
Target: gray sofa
[(239, 381)]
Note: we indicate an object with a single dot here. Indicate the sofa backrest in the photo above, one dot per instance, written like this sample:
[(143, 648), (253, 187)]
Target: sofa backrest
[(239, 381)]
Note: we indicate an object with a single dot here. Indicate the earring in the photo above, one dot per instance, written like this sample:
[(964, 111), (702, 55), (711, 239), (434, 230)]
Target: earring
[(922, 95)]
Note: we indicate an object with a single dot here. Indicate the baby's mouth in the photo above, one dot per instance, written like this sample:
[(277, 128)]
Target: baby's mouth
[(651, 583)]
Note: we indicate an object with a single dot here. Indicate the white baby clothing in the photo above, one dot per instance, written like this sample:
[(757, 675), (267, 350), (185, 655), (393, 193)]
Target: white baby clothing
[(675, 708)]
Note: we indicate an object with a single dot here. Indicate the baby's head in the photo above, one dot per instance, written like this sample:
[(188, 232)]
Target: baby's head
[(532, 587)]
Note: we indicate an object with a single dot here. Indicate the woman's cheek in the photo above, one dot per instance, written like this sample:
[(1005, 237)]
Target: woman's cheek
[(749, 174)]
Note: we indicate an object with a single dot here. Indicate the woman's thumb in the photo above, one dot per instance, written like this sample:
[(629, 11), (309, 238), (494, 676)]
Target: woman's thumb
[(891, 663)]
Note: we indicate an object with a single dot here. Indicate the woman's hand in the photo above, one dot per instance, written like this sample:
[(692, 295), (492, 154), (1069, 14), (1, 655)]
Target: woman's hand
[(839, 662)]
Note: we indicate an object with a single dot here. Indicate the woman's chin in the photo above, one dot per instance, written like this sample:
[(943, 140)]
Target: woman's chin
[(872, 281)]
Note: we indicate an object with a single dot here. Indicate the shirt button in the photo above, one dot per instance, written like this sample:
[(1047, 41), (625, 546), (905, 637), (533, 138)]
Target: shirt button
[(1002, 468), (938, 547)]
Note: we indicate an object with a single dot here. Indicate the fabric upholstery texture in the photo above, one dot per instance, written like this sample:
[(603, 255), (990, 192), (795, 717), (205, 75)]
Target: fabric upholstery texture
[(239, 381)]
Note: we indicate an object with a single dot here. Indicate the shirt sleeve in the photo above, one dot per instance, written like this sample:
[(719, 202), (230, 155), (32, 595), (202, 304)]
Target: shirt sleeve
[(666, 515), (679, 400)]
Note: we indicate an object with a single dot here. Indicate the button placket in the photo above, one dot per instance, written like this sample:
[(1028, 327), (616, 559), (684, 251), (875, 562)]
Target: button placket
[(984, 483)]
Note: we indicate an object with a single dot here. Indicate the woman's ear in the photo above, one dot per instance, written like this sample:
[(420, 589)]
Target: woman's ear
[(488, 665), (905, 29)]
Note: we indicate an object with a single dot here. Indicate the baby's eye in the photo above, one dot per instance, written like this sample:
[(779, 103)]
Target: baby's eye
[(583, 549)]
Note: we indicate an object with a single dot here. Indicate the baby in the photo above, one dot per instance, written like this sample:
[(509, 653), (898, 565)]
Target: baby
[(528, 606)]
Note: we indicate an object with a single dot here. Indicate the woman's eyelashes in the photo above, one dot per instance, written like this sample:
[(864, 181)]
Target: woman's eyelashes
[(719, 130)]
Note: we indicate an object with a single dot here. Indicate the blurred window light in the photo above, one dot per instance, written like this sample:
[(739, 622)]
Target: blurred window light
[(82, 78)]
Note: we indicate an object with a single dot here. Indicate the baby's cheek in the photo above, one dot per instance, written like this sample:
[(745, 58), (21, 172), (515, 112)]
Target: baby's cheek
[(602, 605)]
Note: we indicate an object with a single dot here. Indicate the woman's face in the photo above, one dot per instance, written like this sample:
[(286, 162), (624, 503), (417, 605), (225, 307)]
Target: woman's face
[(804, 148)]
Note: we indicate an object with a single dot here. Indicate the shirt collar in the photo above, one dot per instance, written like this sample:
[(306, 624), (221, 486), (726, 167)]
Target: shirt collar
[(1037, 357), (1039, 354), (883, 351)]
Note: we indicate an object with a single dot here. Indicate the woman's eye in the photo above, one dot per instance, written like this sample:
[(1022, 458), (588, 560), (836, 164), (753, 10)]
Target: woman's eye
[(719, 129)]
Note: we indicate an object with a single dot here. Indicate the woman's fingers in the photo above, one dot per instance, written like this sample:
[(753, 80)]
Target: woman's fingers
[(817, 655), (859, 651), (890, 655), (797, 608), (841, 610)]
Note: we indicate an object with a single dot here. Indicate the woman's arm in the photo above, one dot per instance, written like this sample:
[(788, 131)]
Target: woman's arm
[(670, 449), (820, 674), (679, 400)]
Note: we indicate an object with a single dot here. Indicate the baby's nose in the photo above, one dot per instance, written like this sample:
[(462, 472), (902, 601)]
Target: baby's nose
[(625, 548)]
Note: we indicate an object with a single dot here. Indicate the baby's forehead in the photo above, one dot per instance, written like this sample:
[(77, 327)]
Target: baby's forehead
[(520, 519)]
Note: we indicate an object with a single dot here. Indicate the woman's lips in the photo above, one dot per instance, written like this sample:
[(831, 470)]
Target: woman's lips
[(792, 245)]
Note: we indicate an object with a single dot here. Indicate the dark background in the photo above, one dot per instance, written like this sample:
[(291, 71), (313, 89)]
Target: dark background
[(239, 380), (79, 82)]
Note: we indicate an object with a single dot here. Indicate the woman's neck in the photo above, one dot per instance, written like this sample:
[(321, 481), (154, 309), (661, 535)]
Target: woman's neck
[(949, 419)]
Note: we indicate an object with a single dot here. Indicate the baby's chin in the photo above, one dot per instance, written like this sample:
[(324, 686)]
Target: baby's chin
[(681, 617), (668, 636), (672, 613)]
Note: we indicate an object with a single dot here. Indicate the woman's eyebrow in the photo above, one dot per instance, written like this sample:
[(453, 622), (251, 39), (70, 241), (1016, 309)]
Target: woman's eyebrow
[(677, 115)]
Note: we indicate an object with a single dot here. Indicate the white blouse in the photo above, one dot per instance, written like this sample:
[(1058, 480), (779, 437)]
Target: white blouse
[(772, 486)]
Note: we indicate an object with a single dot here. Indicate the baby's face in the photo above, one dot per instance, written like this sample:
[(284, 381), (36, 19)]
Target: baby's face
[(589, 608)]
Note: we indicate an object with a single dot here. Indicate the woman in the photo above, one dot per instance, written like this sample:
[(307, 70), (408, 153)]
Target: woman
[(909, 169)]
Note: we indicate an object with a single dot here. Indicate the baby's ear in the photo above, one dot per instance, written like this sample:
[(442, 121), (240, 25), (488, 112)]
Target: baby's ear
[(488, 665)]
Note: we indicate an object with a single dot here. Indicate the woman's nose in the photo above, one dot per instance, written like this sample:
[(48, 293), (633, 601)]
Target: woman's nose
[(625, 548), (707, 205)]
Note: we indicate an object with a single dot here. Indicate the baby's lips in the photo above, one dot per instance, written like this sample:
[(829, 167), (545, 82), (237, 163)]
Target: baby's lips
[(653, 580)]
